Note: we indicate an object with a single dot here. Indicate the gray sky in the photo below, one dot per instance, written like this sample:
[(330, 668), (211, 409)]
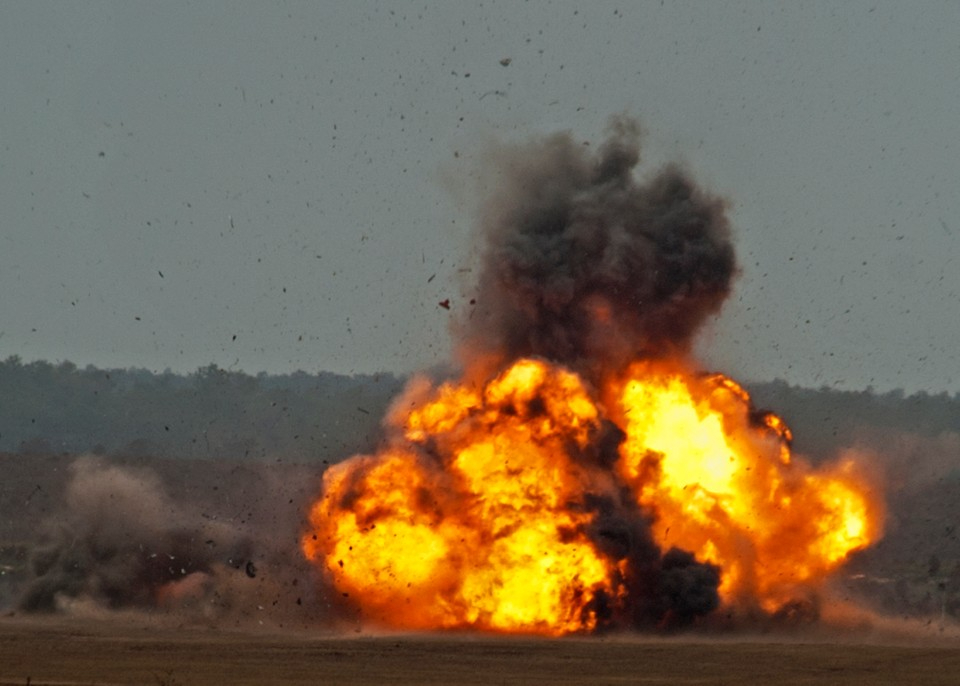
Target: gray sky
[(299, 172)]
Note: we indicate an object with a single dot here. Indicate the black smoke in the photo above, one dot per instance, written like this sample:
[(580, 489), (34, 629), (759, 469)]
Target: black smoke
[(587, 266), (661, 590)]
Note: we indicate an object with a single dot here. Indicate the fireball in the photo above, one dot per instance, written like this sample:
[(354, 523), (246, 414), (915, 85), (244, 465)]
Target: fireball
[(511, 507)]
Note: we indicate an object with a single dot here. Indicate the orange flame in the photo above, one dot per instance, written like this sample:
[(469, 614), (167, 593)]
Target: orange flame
[(727, 488), (476, 515)]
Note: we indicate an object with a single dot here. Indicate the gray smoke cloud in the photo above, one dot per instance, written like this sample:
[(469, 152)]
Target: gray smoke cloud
[(587, 266), (120, 541)]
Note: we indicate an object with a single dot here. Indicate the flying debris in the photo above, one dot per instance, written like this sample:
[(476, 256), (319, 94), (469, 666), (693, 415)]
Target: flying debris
[(498, 93)]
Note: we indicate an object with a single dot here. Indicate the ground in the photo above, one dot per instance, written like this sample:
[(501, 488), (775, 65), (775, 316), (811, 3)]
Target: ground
[(40, 651)]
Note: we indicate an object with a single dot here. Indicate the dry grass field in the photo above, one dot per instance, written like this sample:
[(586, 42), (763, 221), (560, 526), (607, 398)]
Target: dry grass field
[(48, 651)]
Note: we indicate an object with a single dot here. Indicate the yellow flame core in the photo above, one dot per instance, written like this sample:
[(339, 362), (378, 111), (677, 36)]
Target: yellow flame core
[(493, 547), (726, 487), (477, 519)]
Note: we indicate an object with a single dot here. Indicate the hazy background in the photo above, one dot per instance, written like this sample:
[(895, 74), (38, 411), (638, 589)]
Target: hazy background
[(282, 186)]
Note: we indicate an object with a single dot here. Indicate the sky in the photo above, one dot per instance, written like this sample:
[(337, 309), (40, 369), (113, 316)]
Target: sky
[(292, 185)]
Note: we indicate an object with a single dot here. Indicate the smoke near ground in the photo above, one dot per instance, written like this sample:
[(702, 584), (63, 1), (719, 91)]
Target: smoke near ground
[(587, 266), (119, 541), (122, 542)]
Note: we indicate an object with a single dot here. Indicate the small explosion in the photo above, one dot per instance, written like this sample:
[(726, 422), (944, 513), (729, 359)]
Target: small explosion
[(584, 474)]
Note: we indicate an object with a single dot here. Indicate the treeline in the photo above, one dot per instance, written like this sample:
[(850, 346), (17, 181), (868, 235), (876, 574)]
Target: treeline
[(826, 419), (211, 413)]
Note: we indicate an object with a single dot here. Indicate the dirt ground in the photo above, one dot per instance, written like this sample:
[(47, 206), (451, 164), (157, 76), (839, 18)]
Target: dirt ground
[(57, 650)]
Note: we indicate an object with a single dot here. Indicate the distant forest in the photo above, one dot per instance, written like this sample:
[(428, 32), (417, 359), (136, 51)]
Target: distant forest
[(217, 413), (211, 413), (824, 420)]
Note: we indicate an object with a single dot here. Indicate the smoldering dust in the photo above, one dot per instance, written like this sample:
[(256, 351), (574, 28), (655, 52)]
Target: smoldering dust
[(120, 541)]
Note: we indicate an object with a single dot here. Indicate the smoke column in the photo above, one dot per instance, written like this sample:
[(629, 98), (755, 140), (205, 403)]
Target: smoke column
[(586, 266)]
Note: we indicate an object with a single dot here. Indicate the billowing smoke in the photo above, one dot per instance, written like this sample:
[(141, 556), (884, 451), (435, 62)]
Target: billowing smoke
[(586, 266)]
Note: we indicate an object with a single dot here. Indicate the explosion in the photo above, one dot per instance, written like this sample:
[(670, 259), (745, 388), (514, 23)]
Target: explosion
[(583, 474)]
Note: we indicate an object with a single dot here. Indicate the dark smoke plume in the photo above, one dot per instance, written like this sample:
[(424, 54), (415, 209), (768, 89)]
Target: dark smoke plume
[(586, 266)]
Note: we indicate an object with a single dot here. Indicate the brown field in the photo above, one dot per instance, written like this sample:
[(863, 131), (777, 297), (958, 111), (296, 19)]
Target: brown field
[(62, 651)]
